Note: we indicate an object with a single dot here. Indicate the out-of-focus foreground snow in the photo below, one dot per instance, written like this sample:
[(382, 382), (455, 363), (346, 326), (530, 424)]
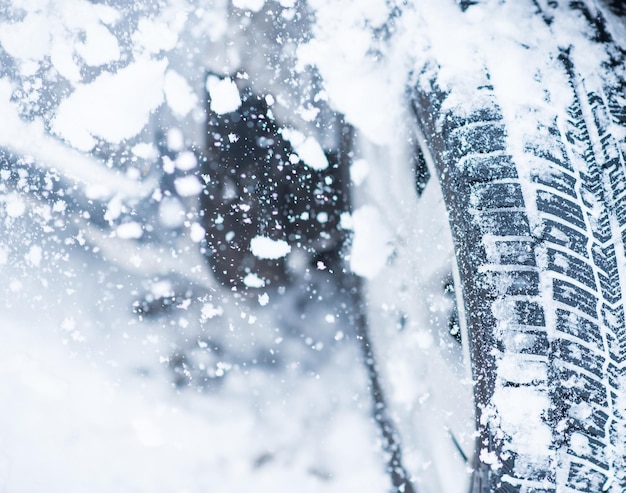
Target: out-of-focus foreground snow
[(88, 404)]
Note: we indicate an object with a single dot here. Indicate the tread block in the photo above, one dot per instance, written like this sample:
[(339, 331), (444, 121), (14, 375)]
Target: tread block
[(608, 275), (510, 283), (513, 252), (591, 184), (560, 234), (452, 121), (610, 288), (600, 227), (575, 297), (560, 207), (604, 259), (583, 478), (556, 179), (477, 139), (578, 387), (503, 223), (579, 327), (613, 319), (620, 208), (579, 355), (525, 342), (487, 168), (550, 149), (614, 375), (592, 425), (588, 448), (528, 313), (572, 267), (496, 196)]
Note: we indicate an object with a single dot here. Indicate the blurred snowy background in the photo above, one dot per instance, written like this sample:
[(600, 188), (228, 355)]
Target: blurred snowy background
[(124, 366)]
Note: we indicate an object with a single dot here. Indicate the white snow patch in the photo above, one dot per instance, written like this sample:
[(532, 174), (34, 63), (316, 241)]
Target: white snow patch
[(580, 444), (129, 230), (162, 289), (359, 171), (15, 205), (171, 212), (307, 148), (34, 255), (264, 299), (253, 281), (521, 413), (114, 107), (371, 243), (62, 57), (28, 39), (186, 161), (175, 139), (114, 209), (209, 310), (224, 94), (147, 432), (188, 186), (99, 47), (514, 368), (196, 233), (265, 248), (68, 324), (30, 139), (253, 5), (179, 94), (154, 36), (145, 150)]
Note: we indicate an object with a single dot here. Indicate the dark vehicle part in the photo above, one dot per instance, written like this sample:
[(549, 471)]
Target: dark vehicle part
[(259, 187)]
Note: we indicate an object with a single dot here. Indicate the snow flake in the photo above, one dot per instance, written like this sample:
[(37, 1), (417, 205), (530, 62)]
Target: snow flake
[(253, 5), (209, 310), (188, 186), (307, 148), (252, 280), (34, 255), (224, 94), (129, 230), (196, 233), (265, 248), (15, 205), (178, 94)]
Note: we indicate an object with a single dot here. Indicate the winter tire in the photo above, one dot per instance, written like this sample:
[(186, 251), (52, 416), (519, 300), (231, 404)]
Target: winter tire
[(527, 142)]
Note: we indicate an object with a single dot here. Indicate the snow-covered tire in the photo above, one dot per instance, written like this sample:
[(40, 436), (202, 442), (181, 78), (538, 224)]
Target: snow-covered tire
[(536, 195)]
